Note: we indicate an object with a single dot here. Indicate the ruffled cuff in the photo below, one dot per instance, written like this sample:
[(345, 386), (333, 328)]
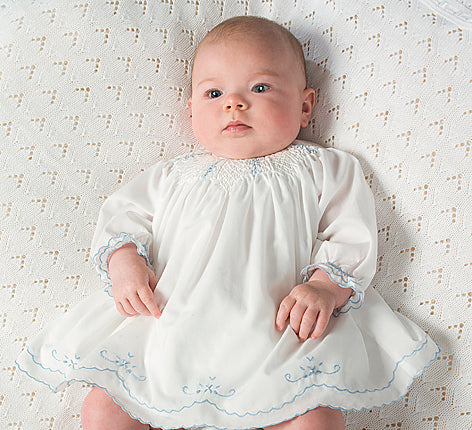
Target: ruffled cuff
[(100, 259), (341, 278)]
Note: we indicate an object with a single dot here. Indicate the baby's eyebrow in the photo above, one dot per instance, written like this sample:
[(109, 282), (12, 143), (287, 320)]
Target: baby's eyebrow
[(266, 72), (206, 80), (257, 74)]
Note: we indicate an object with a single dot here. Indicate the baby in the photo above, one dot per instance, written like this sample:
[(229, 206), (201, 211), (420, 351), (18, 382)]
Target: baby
[(240, 273)]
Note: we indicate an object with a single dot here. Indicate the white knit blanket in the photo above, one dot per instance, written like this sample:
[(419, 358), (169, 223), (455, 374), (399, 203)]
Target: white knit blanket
[(93, 92)]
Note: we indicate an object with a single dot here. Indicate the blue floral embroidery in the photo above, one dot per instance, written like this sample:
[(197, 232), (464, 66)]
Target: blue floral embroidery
[(123, 364), (196, 403), (65, 359), (207, 389), (311, 369)]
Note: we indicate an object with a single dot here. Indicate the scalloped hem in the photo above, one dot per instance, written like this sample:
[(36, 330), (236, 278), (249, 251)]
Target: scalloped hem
[(42, 373)]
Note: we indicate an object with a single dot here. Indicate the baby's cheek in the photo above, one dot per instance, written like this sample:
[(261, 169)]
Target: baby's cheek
[(200, 126), (285, 124)]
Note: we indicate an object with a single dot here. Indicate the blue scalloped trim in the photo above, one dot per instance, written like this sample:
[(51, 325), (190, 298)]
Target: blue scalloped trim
[(341, 278), (406, 356), (100, 259)]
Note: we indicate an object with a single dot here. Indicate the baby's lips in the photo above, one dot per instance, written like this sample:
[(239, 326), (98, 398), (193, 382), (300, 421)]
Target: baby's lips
[(236, 126)]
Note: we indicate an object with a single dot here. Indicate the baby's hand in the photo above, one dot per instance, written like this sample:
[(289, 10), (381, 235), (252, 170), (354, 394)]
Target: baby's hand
[(133, 283), (311, 304), (307, 305)]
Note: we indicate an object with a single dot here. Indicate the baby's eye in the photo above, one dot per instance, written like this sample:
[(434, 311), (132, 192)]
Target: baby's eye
[(260, 88), (213, 94)]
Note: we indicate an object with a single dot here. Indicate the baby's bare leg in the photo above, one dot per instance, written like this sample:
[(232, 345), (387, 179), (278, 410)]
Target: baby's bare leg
[(100, 412), (316, 419)]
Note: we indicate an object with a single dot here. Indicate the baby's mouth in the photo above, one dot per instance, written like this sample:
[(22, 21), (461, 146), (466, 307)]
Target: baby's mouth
[(236, 127)]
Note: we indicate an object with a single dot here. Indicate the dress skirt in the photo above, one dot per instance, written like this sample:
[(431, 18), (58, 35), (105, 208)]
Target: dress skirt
[(228, 240)]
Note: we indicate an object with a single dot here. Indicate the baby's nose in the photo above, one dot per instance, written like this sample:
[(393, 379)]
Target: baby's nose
[(234, 102)]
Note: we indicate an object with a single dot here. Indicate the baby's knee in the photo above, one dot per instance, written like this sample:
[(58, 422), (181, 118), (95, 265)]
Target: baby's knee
[(97, 409), (326, 418), (321, 418)]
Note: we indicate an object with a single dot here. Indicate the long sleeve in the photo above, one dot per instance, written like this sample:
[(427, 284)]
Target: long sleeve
[(346, 244), (126, 217)]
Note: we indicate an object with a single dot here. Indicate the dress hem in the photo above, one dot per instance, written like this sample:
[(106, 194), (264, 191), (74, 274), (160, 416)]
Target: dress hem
[(331, 405)]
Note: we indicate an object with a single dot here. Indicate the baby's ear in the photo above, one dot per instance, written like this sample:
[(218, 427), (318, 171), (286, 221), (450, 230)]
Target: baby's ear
[(309, 99)]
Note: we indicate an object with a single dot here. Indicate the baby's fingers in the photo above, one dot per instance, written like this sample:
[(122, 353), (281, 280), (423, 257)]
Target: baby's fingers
[(296, 316), (309, 318), (321, 324), (284, 312), (125, 308), (138, 305), (147, 299)]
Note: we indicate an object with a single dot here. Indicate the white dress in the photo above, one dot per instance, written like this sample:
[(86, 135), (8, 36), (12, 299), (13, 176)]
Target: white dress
[(228, 240)]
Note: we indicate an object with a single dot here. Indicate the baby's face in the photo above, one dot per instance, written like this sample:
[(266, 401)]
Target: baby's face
[(248, 97)]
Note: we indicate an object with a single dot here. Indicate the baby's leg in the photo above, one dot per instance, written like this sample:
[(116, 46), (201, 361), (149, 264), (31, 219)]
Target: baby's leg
[(100, 412), (316, 419)]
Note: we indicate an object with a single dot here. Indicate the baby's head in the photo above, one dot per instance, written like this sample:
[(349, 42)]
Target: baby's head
[(249, 95)]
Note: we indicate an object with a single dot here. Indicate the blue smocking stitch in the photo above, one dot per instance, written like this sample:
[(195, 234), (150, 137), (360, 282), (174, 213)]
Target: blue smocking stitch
[(255, 166), (211, 168), (306, 147), (312, 369), (188, 156), (208, 389)]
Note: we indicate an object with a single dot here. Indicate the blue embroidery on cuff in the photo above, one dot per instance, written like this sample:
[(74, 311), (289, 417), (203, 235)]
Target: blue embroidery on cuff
[(341, 278), (100, 259)]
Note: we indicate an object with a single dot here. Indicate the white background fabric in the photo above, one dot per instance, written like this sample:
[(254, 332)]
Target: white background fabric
[(92, 93)]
